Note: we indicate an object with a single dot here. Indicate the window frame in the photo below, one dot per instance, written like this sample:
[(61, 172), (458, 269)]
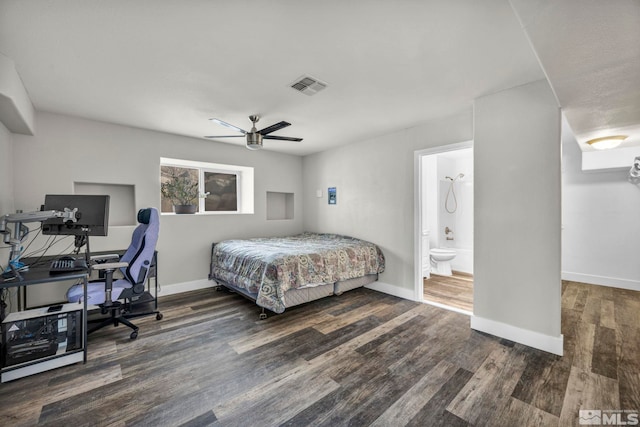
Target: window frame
[(244, 184)]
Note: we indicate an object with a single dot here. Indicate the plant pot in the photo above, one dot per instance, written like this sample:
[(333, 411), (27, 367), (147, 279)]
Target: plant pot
[(185, 209)]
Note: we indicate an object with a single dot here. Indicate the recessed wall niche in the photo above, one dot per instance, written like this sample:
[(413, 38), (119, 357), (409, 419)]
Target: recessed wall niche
[(122, 205), (279, 205)]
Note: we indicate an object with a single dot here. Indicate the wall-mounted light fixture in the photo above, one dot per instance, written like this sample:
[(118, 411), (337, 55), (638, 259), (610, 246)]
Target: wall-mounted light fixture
[(607, 142)]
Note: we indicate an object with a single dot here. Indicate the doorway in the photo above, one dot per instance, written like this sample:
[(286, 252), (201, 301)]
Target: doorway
[(444, 222)]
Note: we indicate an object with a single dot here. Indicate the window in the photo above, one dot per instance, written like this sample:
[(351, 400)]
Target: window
[(213, 188), (222, 190)]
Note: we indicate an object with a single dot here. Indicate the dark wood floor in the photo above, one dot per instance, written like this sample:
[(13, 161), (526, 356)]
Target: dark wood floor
[(455, 290), (360, 359)]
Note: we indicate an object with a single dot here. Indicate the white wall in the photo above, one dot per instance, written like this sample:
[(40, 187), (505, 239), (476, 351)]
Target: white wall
[(67, 149), (517, 284), (6, 198), (6, 183), (601, 222), (6, 171), (375, 189)]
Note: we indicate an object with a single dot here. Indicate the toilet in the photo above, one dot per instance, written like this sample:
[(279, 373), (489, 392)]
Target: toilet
[(441, 260)]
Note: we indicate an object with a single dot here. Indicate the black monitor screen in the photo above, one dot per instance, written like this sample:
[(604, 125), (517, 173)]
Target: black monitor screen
[(93, 218)]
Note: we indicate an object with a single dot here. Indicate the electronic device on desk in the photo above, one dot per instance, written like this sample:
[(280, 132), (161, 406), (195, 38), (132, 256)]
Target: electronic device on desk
[(37, 335), (76, 215), (92, 221), (20, 231), (67, 264)]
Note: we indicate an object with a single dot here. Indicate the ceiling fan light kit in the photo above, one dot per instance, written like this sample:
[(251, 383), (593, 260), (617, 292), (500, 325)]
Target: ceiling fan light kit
[(254, 141), (254, 137)]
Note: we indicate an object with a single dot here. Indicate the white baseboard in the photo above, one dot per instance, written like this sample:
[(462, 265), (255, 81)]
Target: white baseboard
[(177, 288), (529, 338), (633, 285), (394, 290)]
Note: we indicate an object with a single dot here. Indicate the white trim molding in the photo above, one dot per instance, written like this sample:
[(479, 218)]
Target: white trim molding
[(633, 285), (527, 337), (177, 288), (396, 291)]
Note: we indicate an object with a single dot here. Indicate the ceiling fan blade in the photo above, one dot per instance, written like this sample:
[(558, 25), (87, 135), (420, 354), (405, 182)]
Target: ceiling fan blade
[(274, 128), (282, 138), (230, 126), (224, 136)]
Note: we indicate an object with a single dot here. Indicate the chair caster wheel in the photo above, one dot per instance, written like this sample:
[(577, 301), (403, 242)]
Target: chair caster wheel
[(263, 316), (134, 335), (159, 316)]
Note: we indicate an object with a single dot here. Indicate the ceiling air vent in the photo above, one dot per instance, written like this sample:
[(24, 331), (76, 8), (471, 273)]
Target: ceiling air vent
[(308, 85)]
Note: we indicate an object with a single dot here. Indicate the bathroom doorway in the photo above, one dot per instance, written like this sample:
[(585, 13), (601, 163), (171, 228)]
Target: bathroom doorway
[(444, 226)]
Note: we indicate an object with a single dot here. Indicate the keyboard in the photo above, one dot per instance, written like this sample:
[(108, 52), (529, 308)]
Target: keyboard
[(66, 265)]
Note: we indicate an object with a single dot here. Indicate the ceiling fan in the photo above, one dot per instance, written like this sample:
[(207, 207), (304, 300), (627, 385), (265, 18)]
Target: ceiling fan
[(254, 136)]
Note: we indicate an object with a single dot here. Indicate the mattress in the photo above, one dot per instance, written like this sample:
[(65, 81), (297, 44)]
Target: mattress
[(275, 269)]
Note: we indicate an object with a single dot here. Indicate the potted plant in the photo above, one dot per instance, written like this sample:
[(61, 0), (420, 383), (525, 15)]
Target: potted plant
[(181, 189)]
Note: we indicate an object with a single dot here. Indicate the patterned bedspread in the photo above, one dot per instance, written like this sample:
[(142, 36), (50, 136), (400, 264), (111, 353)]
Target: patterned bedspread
[(268, 267)]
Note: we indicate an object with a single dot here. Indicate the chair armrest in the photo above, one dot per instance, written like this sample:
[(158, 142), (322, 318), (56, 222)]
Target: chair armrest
[(109, 266), (105, 257)]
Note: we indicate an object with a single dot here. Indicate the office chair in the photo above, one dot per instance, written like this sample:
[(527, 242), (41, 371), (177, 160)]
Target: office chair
[(134, 265)]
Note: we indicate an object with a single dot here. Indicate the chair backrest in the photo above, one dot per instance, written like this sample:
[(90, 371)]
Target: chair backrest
[(142, 248)]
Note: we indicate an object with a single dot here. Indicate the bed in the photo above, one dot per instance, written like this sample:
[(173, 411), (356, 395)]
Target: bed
[(281, 272)]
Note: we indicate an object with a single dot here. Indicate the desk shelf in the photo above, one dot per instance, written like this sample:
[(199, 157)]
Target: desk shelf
[(37, 340), (25, 352)]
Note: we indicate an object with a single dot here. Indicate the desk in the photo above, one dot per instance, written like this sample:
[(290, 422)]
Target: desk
[(56, 287), (35, 276)]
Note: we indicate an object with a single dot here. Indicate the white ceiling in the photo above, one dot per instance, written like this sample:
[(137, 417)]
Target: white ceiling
[(172, 65), (590, 52)]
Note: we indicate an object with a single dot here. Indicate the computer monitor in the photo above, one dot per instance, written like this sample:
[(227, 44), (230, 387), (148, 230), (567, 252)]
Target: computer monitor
[(93, 215)]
